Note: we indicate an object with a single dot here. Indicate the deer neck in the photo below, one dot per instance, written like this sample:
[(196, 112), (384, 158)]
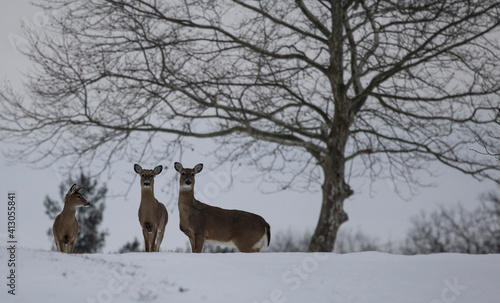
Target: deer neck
[(69, 210), (186, 199), (148, 196)]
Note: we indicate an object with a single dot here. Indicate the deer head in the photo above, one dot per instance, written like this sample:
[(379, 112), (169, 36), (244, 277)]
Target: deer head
[(186, 180), (74, 198), (147, 175)]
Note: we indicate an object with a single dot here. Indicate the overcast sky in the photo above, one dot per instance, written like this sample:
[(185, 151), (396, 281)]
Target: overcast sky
[(375, 208)]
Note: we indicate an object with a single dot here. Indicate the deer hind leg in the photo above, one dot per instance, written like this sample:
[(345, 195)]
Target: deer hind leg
[(244, 245), (245, 248), (249, 250)]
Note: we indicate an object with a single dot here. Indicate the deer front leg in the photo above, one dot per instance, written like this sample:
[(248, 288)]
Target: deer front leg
[(71, 247), (153, 240), (58, 246), (147, 241), (66, 247), (159, 237), (197, 243)]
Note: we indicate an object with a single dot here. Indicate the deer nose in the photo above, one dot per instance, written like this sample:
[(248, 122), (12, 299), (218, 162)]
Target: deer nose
[(147, 183), (188, 182)]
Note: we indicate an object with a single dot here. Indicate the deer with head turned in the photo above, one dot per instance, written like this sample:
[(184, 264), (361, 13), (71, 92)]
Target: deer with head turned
[(203, 223), (153, 215), (65, 228)]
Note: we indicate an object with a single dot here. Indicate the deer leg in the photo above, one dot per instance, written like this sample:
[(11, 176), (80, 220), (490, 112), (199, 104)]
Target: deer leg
[(65, 244), (246, 248), (197, 243), (249, 250), (243, 245), (71, 247), (191, 241), (147, 242), (159, 238), (153, 239)]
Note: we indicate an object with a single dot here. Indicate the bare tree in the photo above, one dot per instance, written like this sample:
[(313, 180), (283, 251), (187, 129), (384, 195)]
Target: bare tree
[(490, 148), (299, 89), (456, 229)]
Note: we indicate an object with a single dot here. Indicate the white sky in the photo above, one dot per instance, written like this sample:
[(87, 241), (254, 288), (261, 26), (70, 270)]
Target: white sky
[(376, 209)]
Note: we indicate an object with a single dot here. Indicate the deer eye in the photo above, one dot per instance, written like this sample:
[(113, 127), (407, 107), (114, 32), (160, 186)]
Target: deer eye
[(143, 175), (192, 174), (183, 173), (79, 197)]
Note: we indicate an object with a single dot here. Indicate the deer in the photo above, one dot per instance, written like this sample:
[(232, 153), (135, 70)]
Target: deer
[(153, 215), (65, 228), (203, 223)]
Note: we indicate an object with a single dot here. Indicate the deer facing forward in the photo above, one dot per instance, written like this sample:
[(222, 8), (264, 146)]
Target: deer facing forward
[(65, 228), (153, 215), (203, 223)]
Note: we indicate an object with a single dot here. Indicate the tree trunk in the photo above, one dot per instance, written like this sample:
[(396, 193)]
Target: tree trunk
[(332, 214), (335, 190)]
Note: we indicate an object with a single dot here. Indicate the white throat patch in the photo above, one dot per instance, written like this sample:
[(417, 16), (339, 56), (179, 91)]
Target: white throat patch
[(185, 188)]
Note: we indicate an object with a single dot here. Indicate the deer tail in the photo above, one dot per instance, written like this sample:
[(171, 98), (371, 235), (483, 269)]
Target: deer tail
[(268, 232)]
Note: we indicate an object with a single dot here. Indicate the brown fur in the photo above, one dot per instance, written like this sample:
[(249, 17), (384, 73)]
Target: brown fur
[(202, 222), (153, 215), (65, 228)]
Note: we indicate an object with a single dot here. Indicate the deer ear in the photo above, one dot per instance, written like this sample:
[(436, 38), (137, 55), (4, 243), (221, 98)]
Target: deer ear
[(198, 168), (178, 167), (137, 168), (73, 189), (158, 169)]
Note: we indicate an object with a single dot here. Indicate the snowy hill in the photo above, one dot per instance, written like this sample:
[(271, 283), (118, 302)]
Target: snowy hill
[(266, 277)]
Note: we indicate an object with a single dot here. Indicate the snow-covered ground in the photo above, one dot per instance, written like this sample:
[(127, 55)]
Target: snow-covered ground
[(372, 277)]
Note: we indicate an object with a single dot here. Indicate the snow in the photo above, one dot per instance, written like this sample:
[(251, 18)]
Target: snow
[(252, 278)]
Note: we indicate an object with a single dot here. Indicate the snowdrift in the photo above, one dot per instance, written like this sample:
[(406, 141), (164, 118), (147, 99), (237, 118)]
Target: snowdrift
[(253, 278)]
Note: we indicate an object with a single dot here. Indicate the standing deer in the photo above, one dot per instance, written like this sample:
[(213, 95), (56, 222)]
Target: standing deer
[(203, 223), (65, 228), (153, 215)]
